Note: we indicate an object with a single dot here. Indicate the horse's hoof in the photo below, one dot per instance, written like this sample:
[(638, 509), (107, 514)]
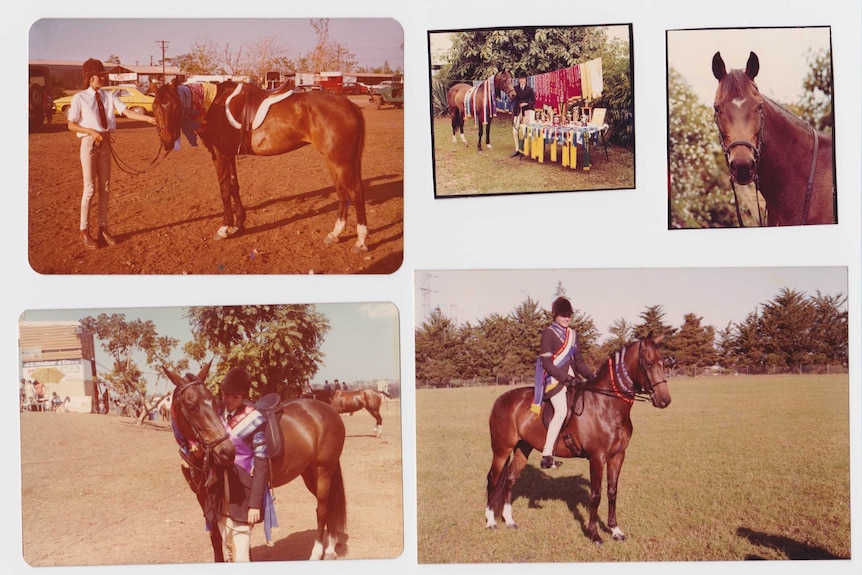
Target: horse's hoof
[(330, 240), (359, 249), (330, 556), (597, 541), (511, 525), (619, 537), (225, 232)]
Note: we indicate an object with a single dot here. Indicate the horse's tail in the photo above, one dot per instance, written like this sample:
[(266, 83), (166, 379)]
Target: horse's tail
[(337, 520), (497, 491)]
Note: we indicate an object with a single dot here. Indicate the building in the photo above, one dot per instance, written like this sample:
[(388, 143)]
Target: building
[(69, 73), (61, 355)]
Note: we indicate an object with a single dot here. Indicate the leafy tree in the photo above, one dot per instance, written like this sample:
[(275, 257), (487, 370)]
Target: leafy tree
[(815, 104), (831, 329), (748, 349), (699, 194), (265, 55), (123, 340), (278, 344), (202, 59), (523, 338), (621, 332), (725, 346), (787, 323)]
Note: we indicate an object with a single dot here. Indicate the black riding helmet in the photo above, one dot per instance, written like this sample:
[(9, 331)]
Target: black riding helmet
[(237, 381), (562, 307)]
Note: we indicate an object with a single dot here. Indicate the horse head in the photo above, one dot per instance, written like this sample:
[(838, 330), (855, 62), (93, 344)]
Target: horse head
[(739, 117), (196, 419), (650, 371), (503, 82), (168, 112)]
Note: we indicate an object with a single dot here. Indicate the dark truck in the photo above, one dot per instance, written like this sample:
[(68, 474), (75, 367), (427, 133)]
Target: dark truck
[(39, 100)]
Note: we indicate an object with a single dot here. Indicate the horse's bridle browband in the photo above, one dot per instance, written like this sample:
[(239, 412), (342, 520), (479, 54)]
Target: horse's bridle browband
[(757, 150)]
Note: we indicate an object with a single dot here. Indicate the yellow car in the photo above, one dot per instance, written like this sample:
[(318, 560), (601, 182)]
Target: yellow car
[(133, 98)]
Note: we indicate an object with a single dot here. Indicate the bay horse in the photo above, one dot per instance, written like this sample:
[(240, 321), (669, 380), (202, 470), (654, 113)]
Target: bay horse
[(788, 161), (598, 427), (464, 100), (369, 399), (313, 438), (239, 118)]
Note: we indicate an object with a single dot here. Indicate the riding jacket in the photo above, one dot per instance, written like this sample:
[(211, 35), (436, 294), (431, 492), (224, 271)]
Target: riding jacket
[(559, 359), (523, 95), (248, 478)]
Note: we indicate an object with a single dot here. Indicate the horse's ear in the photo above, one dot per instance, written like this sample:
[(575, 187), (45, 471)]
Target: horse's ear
[(718, 69), (753, 66), (174, 83), (175, 378), (205, 371)]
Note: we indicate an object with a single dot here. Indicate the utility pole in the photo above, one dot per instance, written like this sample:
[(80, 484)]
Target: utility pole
[(163, 42)]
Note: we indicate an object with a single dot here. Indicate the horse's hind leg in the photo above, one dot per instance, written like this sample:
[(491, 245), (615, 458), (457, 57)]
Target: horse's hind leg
[(378, 426), (319, 483), (348, 186), (488, 134)]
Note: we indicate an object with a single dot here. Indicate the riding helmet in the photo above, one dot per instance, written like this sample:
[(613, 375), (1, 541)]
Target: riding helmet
[(237, 381), (562, 307)]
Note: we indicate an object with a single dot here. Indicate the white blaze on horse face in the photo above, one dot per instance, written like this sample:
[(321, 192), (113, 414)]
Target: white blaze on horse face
[(738, 102)]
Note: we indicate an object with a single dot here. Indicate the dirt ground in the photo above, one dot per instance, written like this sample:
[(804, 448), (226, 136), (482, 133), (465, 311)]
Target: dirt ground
[(98, 490), (167, 217)]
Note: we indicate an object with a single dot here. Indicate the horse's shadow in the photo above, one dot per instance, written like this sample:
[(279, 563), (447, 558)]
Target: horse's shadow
[(375, 194), (537, 486), (790, 547), (295, 547)]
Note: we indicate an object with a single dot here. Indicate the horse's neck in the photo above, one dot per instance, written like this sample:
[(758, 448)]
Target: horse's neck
[(785, 162)]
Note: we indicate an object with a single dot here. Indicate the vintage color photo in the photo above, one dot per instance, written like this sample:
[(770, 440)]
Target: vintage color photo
[(750, 128), (532, 109), (279, 147), (150, 435), (725, 390)]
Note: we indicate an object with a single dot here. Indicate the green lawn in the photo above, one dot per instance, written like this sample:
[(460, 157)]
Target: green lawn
[(460, 170), (736, 468)]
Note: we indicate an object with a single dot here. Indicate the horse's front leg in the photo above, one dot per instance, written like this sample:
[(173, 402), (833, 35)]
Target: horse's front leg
[(488, 134), (481, 131), (596, 476), (615, 464), (233, 212)]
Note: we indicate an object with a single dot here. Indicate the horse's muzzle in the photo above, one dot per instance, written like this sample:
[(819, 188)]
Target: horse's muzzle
[(660, 395)]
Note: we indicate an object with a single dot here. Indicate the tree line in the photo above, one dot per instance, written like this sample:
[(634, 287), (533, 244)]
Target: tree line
[(791, 330), (278, 344)]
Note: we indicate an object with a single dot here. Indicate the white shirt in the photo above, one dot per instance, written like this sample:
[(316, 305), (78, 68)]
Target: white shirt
[(84, 110)]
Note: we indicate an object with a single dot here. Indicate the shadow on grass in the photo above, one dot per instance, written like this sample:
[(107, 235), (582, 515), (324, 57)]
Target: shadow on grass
[(538, 486), (789, 547)]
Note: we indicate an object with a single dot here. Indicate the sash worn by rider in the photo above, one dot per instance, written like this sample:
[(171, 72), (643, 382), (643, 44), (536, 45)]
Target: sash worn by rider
[(561, 357)]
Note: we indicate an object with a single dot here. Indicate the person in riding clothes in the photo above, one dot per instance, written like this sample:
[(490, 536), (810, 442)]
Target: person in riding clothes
[(91, 117), (245, 485), (559, 360), (523, 111)]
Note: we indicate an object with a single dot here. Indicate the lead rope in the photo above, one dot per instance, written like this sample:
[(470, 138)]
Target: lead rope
[(810, 187)]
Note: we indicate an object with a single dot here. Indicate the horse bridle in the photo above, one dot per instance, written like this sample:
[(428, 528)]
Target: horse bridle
[(629, 391), (756, 150), (208, 446)]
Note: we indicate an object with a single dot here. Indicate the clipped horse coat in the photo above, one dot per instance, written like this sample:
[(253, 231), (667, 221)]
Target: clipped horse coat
[(788, 161)]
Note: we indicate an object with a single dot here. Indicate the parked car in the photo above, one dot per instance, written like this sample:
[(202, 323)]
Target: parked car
[(388, 93), (133, 98)]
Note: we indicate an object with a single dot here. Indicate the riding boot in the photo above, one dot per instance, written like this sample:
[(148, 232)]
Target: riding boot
[(106, 237), (88, 241)]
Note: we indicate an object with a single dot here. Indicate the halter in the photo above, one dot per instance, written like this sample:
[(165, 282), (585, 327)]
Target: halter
[(208, 446)]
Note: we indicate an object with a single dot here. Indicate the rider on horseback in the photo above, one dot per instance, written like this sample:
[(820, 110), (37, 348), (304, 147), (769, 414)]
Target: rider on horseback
[(559, 359)]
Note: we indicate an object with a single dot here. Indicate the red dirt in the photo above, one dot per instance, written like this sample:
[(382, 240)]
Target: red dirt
[(166, 218)]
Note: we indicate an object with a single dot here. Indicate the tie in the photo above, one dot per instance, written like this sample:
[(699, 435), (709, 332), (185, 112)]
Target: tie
[(103, 119)]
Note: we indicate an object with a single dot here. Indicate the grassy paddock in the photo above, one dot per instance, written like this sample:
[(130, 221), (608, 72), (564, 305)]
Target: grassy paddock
[(460, 170), (736, 468)]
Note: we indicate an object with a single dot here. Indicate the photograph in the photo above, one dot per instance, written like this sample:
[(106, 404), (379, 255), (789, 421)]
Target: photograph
[(763, 155), (740, 450), (165, 435), (234, 146), (562, 98)]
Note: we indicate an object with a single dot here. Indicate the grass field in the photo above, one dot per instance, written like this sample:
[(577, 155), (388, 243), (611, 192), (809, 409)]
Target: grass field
[(460, 170), (737, 468)]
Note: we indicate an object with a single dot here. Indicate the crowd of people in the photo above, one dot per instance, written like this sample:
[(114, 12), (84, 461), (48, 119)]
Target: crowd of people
[(33, 396)]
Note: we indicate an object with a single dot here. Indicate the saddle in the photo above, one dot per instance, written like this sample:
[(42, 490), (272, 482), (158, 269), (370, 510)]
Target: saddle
[(548, 414), (271, 406), (254, 103)]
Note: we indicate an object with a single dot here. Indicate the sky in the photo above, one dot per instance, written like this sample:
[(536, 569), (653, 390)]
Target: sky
[(138, 41), (718, 295), (361, 344), (781, 51)]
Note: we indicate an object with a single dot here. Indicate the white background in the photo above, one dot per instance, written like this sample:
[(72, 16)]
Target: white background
[(465, 233)]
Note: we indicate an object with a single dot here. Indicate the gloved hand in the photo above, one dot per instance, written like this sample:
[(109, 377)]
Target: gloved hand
[(535, 408)]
